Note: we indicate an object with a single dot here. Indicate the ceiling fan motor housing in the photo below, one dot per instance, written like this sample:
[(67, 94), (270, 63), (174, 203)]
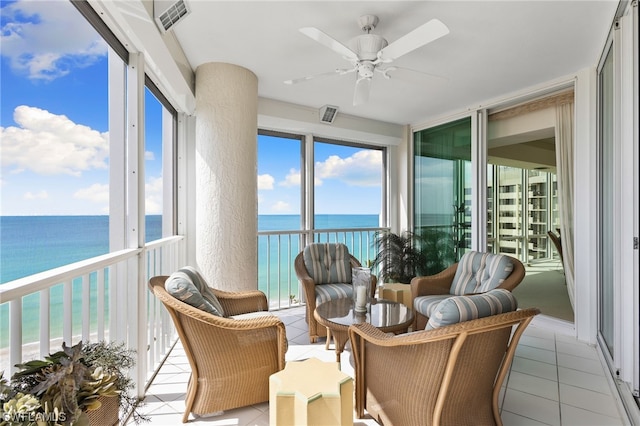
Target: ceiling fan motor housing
[(367, 46), (367, 22)]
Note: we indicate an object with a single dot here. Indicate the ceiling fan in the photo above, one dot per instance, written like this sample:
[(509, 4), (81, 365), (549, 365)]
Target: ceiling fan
[(370, 53)]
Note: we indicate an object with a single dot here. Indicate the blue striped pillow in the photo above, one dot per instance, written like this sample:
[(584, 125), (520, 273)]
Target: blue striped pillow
[(480, 272), (188, 286), (327, 263), (455, 309)]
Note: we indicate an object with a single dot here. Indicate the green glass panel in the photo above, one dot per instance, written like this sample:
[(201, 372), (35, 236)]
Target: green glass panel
[(606, 202), (442, 190)]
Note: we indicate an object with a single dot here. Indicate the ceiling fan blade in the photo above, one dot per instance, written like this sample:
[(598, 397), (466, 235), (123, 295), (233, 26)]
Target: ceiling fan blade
[(330, 42), (339, 71), (426, 33), (361, 93), (401, 72)]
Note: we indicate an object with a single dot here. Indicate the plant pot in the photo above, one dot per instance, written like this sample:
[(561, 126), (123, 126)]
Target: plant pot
[(107, 414)]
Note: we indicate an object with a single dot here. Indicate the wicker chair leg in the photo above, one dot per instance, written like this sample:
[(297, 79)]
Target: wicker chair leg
[(191, 396)]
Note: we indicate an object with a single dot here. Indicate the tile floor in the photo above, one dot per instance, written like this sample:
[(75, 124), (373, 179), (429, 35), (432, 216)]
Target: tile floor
[(554, 380)]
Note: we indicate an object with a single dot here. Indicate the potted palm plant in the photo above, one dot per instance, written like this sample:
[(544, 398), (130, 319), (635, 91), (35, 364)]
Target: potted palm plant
[(401, 257)]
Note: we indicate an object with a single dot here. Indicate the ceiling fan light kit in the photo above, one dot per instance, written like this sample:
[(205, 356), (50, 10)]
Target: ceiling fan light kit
[(367, 46), (367, 52)]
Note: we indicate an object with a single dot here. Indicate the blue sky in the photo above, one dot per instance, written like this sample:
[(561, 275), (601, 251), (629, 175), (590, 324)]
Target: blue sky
[(55, 139), (347, 179), (54, 115)]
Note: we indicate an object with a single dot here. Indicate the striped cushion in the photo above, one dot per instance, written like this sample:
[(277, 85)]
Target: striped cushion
[(425, 305), (188, 286), (457, 309), (327, 263), (328, 292), (480, 272)]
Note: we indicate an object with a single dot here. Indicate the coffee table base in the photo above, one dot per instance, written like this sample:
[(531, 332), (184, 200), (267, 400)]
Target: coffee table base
[(335, 316)]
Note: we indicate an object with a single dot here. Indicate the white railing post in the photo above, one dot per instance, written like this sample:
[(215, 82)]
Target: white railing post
[(101, 294), (45, 335), (67, 312), (142, 322), (15, 333), (86, 305), (119, 307)]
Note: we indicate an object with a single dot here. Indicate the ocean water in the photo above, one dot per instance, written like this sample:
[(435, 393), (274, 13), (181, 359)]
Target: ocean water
[(32, 244)]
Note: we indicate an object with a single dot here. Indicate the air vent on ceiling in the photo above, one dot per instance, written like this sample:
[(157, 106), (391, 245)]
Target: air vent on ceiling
[(167, 13), (328, 114)]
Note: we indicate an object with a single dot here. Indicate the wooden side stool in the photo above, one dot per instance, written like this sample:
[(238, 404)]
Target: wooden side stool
[(310, 392), (396, 292)]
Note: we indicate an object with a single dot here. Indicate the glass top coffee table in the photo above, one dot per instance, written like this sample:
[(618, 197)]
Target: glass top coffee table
[(337, 315)]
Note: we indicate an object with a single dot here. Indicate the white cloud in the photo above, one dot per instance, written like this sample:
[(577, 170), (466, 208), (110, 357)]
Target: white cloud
[(96, 193), (42, 195), (265, 182), (149, 156), (50, 144), (99, 194), (363, 168), (46, 39), (292, 178), (281, 207), (153, 195)]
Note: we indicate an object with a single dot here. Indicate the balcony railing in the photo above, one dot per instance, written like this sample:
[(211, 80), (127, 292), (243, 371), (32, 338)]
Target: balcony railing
[(107, 298), (103, 298), (277, 251)]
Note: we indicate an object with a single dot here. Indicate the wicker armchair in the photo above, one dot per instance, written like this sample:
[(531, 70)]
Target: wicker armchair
[(446, 376), (439, 286), (231, 359), (557, 243), (309, 285)]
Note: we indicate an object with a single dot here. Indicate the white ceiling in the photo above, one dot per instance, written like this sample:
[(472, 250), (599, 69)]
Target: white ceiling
[(494, 48)]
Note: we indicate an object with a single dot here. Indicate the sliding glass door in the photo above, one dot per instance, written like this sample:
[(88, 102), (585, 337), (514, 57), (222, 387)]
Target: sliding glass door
[(442, 189), (606, 191), (617, 206)]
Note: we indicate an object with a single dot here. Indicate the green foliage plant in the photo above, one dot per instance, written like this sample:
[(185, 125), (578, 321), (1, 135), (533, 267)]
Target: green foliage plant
[(64, 386), (401, 257)]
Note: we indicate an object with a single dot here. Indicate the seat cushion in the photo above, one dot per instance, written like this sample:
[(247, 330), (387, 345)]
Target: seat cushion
[(326, 292), (457, 309), (327, 263), (480, 272), (252, 315), (189, 286), (425, 305)]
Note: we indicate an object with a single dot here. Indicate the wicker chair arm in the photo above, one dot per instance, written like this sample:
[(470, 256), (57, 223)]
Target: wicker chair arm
[(222, 322), (308, 283), (231, 323), (516, 276), (373, 335), (439, 283), (376, 337), (236, 303)]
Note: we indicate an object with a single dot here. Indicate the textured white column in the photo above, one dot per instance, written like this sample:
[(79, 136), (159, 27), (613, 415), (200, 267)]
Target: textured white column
[(226, 174)]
